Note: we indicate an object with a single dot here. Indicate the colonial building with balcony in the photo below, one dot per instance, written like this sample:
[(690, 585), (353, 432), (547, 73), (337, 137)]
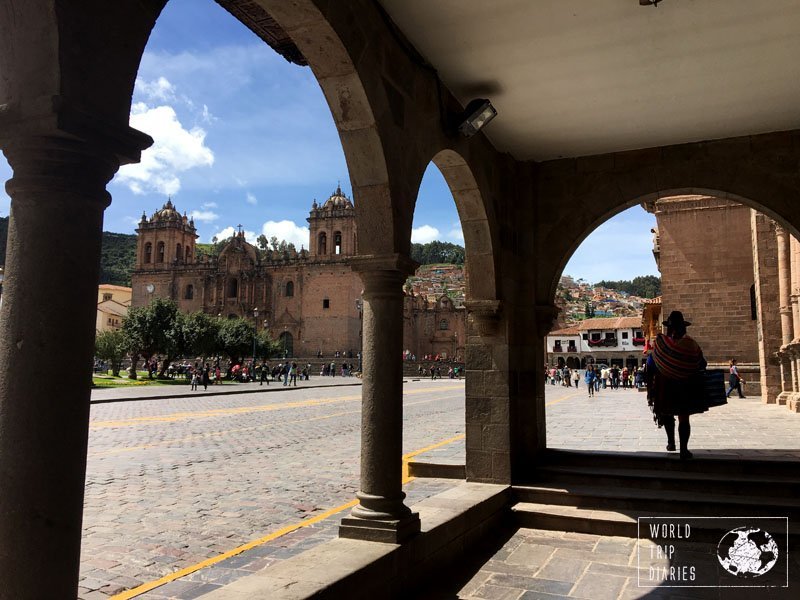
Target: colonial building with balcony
[(612, 341)]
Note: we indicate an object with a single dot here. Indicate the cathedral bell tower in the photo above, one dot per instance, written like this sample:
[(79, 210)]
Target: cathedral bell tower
[(166, 239), (332, 228)]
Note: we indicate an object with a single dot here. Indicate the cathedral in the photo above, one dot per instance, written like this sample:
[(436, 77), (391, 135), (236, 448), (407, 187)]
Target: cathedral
[(309, 300)]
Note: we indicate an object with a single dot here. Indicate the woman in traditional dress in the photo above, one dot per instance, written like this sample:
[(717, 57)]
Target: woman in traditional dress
[(672, 386)]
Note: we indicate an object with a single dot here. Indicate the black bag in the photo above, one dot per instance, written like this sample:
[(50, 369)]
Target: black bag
[(713, 383)]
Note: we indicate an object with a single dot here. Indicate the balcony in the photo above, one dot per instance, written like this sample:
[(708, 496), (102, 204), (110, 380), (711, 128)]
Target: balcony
[(605, 343), (557, 349), (639, 341)]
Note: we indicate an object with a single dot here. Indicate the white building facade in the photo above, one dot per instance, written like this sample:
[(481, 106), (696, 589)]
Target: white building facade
[(612, 341)]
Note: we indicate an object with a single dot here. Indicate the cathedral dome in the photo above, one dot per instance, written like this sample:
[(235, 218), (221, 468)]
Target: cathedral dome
[(167, 213), (338, 200)]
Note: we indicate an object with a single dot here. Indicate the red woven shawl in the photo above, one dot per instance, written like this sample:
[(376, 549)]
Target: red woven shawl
[(677, 359)]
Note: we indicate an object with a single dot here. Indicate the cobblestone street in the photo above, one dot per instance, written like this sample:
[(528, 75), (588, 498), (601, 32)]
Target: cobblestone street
[(177, 484)]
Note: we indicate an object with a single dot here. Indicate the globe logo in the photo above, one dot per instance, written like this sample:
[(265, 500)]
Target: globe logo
[(747, 552)]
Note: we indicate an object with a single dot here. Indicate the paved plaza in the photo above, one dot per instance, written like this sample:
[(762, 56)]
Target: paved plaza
[(177, 487)]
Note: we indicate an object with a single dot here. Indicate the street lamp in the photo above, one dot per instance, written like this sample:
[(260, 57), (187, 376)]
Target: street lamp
[(360, 308), (285, 355), (255, 333)]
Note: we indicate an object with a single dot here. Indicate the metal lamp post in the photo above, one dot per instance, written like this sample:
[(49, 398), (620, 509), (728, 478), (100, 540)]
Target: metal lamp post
[(360, 308), (255, 333), (285, 355)]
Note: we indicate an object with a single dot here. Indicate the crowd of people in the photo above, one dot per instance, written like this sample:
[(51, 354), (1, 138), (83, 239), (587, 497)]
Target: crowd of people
[(600, 377)]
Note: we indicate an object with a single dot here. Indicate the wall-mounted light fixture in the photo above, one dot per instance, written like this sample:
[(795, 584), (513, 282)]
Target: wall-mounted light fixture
[(477, 114)]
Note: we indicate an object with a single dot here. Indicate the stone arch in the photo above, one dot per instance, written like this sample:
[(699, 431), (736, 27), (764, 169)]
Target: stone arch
[(289, 292), (322, 243), (148, 253), (478, 242), (160, 252), (576, 234)]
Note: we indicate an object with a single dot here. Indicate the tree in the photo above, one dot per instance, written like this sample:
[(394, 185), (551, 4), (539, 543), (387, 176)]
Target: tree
[(262, 241), (153, 329), (235, 338), (200, 334), (111, 346)]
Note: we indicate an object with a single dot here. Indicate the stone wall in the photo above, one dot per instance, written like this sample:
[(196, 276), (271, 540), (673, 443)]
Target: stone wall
[(706, 272)]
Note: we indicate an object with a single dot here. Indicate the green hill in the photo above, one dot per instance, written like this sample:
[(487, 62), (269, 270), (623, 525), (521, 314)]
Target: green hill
[(118, 255)]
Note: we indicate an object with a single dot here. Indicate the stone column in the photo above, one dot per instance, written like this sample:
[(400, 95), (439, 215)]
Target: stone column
[(381, 514), (787, 325), (48, 320), (488, 443)]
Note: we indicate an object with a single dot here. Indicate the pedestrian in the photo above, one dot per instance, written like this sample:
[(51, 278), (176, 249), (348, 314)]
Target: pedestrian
[(590, 378), (285, 373), (604, 375), (206, 376), (195, 379), (576, 377), (734, 380), (264, 373), (293, 374), (672, 385), (625, 376)]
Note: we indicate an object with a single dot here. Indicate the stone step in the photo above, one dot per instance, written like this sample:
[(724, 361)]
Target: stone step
[(651, 479), (703, 462), (645, 501), (558, 517), (436, 470)]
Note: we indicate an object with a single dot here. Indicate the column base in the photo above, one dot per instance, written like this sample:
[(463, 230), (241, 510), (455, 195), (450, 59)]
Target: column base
[(793, 404), (375, 530), (783, 398)]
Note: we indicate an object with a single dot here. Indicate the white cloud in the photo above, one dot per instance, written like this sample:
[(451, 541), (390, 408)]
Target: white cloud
[(424, 234), (174, 150), (229, 232), (209, 205), (287, 230), (251, 199), (158, 90), (205, 216), (456, 234)]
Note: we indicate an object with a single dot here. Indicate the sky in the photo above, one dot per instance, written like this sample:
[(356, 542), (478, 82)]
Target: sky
[(244, 137)]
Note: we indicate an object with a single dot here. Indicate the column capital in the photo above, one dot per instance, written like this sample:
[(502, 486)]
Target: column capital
[(54, 116), (401, 263), (74, 169), (485, 314)]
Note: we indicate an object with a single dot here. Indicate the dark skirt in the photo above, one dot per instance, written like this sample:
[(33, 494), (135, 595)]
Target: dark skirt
[(673, 397)]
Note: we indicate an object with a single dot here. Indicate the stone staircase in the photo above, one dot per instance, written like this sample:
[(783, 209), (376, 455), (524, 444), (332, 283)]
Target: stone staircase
[(604, 493)]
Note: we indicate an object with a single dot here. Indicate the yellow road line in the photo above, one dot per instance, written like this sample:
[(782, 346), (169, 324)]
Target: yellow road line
[(562, 399), (410, 455), (151, 585), (242, 410), (189, 438)]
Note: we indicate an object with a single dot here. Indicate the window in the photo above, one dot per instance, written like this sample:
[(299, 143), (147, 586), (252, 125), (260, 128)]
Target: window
[(106, 296), (443, 324), (337, 242), (148, 253), (558, 343), (179, 252), (160, 252), (289, 289), (585, 336), (188, 256), (610, 336), (624, 335), (109, 320), (233, 288), (326, 303), (753, 305), (188, 294), (595, 336), (322, 244), (638, 334)]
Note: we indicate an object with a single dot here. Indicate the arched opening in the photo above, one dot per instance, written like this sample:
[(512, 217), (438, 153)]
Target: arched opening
[(286, 344), (289, 289), (322, 243), (179, 252), (189, 292), (160, 252), (233, 288), (695, 241), (148, 253), (337, 242)]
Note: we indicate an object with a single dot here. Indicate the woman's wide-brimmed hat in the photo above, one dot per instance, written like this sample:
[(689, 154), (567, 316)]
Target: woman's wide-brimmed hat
[(676, 319)]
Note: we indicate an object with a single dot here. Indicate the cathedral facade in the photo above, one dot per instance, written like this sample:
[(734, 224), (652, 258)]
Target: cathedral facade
[(308, 300)]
